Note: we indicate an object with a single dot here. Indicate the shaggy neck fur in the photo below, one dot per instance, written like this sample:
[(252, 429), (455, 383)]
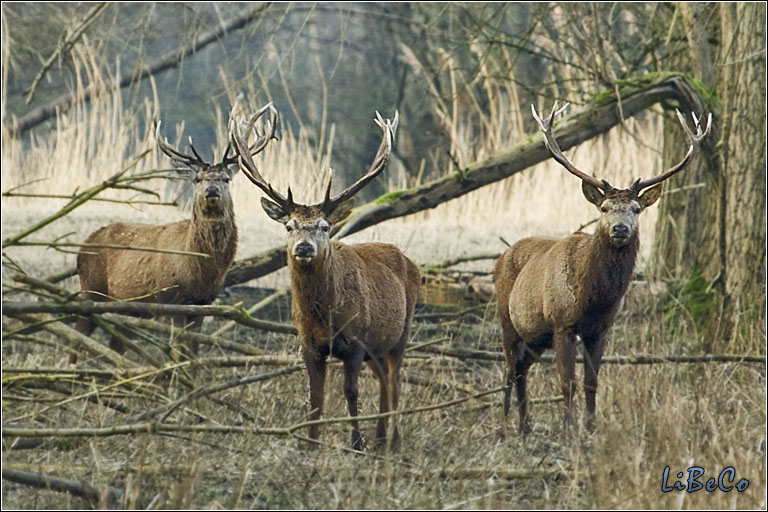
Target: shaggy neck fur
[(312, 290), (215, 235), (609, 269)]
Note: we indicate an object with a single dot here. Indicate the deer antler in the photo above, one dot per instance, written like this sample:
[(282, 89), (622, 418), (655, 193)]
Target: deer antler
[(379, 162), (694, 138), (179, 159), (244, 154), (557, 154), (196, 161)]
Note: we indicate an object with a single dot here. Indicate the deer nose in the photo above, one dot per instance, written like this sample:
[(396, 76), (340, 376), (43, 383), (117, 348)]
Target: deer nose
[(303, 250), (620, 231), (212, 192)]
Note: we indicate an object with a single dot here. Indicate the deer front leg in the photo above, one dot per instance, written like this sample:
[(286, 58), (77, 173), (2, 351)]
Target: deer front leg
[(315, 363), (593, 349), (509, 342), (565, 357)]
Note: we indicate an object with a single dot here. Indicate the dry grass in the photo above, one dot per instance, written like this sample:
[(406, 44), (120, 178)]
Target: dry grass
[(649, 417)]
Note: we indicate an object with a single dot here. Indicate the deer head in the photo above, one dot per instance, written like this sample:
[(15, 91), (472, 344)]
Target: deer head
[(211, 181), (620, 208), (309, 226)]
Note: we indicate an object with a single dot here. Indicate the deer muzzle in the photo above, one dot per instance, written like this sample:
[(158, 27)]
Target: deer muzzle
[(304, 251), (212, 193), (620, 234)]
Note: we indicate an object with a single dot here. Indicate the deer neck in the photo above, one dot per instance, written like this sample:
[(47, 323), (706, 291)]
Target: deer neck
[(609, 268), (313, 289), (213, 235)]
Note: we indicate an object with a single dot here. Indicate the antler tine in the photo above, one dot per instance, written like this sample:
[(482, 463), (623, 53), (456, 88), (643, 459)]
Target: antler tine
[(194, 150), (245, 154), (557, 154), (389, 127), (694, 140), (172, 153), (249, 126)]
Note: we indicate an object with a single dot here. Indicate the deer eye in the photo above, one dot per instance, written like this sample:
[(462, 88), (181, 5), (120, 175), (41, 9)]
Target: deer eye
[(288, 228), (198, 179), (604, 209), (324, 227)]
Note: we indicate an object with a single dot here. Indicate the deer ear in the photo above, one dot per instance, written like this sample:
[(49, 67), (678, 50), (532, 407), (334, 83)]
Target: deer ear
[(274, 210), (232, 170), (342, 211), (650, 196), (592, 193)]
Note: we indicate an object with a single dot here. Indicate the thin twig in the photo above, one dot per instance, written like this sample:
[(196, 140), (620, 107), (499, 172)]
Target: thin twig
[(80, 200), (65, 45)]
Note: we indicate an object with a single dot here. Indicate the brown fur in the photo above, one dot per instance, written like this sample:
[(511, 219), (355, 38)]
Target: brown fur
[(551, 290), (355, 302), (113, 274)]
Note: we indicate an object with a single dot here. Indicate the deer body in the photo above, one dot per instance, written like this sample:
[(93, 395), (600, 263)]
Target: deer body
[(163, 277), (115, 274), (354, 302), (552, 292), (357, 292)]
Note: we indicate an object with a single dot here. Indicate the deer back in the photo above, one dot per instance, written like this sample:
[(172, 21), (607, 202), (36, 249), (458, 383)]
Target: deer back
[(170, 278)]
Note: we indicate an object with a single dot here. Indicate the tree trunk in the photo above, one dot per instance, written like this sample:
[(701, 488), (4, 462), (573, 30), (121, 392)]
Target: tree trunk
[(743, 83), (718, 225), (688, 232)]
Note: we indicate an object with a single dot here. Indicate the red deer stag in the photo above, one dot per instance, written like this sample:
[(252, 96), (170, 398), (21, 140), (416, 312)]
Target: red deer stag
[(113, 274), (551, 291), (355, 302)]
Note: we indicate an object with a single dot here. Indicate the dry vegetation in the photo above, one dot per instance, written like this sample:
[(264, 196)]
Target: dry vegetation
[(649, 416)]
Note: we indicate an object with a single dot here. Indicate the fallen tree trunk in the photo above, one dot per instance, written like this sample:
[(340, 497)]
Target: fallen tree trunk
[(593, 120), (485, 355), (112, 496), (238, 314)]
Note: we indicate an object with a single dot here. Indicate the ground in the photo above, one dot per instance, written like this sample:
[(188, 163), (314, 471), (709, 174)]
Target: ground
[(459, 456)]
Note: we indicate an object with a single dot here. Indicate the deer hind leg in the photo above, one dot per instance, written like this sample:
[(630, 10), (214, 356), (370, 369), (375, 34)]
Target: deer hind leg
[(510, 342), (85, 327), (381, 370), (353, 362), (182, 348), (593, 352), (529, 354), (395, 361), (315, 362), (565, 357)]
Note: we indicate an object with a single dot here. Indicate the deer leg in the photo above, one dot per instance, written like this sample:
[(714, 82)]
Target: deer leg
[(593, 353), (395, 363), (381, 369), (509, 342), (530, 354), (193, 346), (565, 356), (86, 327), (315, 363), (184, 349), (353, 363)]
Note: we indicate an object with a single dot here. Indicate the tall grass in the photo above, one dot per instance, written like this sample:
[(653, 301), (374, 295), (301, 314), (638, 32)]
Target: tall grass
[(96, 139)]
